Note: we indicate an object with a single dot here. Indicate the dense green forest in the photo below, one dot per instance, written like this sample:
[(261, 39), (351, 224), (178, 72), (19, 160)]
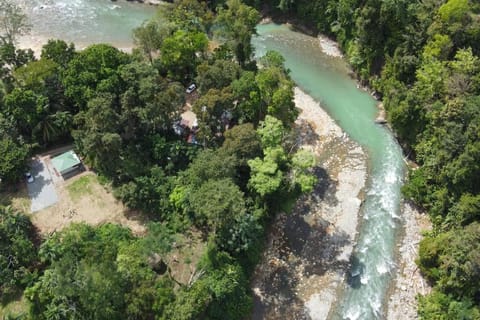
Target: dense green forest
[(122, 112), (422, 57)]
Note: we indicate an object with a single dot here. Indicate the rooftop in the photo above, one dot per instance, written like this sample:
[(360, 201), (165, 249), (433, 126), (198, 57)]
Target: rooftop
[(65, 161)]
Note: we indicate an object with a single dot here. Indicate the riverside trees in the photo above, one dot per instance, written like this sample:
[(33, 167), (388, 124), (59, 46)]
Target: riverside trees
[(119, 110), (12, 21), (425, 64)]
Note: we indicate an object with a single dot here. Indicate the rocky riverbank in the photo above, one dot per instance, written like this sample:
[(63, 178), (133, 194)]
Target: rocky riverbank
[(308, 251), (408, 282), (329, 46)]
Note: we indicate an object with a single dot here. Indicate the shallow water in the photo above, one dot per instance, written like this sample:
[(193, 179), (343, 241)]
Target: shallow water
[(85, 21), (326, 79)]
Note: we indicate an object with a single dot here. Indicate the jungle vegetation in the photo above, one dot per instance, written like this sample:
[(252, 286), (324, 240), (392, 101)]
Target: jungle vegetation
[(122, 112)]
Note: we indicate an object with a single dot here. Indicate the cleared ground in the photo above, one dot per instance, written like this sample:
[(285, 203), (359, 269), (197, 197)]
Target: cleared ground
[(16, 306), (18, 198), (42, 189), (83, 199)]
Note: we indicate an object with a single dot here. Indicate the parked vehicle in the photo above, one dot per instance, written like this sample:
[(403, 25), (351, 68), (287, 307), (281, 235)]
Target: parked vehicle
[(191, 88), (29, 177)]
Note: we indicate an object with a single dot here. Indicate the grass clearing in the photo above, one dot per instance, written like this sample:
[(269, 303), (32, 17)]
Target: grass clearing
[(84, 199), (17, 198), (14, 308), (184, 257), (83, 186)]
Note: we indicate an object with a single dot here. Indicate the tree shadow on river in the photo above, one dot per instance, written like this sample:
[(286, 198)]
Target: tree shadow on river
[(302, 246)]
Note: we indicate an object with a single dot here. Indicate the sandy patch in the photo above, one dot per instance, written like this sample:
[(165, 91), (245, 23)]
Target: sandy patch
[(34, 42), (96, 206), (308, 251), (184, 257), (409, 282), (329, 47)]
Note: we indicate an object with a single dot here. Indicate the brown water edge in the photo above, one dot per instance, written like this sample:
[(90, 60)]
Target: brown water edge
[(308, 252)]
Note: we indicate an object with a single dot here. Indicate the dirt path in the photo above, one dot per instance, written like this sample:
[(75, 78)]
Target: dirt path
[(308, 251)]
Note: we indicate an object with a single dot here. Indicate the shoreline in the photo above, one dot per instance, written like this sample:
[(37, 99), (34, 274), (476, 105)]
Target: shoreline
[(36, 42), (315, 296), (308, 251), (408, 281)]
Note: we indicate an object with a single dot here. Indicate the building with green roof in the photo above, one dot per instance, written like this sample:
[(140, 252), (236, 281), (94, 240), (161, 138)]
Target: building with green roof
[(66, 162)]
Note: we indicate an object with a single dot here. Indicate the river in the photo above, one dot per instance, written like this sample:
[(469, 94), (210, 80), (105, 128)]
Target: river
[(83, 22), (326, 80)]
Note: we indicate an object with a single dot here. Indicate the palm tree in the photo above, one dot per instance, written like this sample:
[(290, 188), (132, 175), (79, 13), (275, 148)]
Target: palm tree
[(53, 126)]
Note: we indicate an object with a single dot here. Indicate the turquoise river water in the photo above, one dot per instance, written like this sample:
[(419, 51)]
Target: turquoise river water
[(325, 79)]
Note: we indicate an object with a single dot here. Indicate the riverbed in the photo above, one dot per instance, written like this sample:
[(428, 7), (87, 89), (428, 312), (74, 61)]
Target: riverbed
[(308, 250), (369, 274)]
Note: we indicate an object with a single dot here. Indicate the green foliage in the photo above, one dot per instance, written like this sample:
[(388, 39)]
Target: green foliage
[(91, 69), (209, 165), (220, 293), (17, 251), (120, 110), (58, 51), (243, 142), (11, 58), (267, 175), (438, 48), (218, 75), (302, 161), (216, 204), (276, 91), (465, 211), (34, 74), (25, 108), (148, 193), (439, 306), (179, 53), (87, 276), (454, 10), (425, 64), (149, 37), (453, 261), (236, 25), (249, 108), (212, 110), (271, 132), (13, 159), (189, 15), (278, 170)]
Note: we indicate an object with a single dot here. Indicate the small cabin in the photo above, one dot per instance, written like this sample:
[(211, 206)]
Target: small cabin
[(66, 163)]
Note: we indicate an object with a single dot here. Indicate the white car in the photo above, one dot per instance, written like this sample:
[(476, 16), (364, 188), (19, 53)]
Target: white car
[(29, 177), (191, 88)]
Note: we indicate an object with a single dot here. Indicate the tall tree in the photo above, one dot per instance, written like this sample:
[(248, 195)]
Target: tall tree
[(236, 25), (13, 22)]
